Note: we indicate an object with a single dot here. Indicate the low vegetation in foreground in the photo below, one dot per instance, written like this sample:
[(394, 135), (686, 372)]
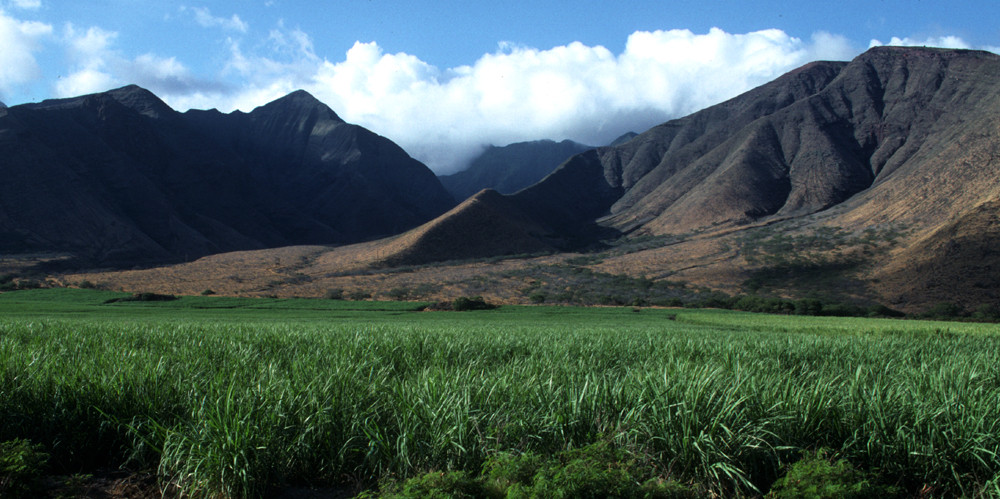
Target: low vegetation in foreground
[(225, 397)]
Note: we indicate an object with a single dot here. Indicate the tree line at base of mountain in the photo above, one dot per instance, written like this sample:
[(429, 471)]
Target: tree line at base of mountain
[(581, 286), (8, 282)]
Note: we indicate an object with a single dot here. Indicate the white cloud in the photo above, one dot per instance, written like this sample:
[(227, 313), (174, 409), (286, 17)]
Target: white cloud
[(574, 91), (89, 47), (203, 16), (91, 53), (85, 81), (947, 42), (97, 66), (20, 40), (26, 4), (589, 94), (445, 116)]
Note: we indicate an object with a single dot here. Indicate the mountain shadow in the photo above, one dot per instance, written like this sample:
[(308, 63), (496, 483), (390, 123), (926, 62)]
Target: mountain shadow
[(121, 178)]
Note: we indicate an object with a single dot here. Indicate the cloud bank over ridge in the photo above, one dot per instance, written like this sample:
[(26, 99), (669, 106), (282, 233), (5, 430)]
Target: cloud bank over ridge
[(442, 116), (588, 94)]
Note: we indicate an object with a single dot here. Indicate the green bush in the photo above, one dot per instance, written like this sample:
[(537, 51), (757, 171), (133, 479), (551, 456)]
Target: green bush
[(359, 295), (818, 476), (334, 294), (504, 470), (439, 485), (7, 283), (144, 297), (595, 471), (475, 303), (883, 311), (808, 306), (21, 467), (207, 292), (945, 310), (986, 312), (398, 293)]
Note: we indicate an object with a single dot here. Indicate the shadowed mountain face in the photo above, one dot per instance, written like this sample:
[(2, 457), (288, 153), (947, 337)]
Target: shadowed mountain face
[(510, 168), (120, 177), (485, 224)]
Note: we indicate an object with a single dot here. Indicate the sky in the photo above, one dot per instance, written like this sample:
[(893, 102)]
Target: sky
[(444, 78)]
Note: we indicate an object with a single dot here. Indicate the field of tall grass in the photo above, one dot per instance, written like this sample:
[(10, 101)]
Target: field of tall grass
[(237, 397)]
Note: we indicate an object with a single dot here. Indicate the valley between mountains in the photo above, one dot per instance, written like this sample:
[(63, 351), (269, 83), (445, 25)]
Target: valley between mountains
[(870, 181)]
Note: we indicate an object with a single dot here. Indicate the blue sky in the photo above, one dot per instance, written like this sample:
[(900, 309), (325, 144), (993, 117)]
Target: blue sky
[(444, 78)]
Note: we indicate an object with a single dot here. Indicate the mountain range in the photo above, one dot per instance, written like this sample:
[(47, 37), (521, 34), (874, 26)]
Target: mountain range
[(894, 157), (510, 168), (877, 178), (119, 177)]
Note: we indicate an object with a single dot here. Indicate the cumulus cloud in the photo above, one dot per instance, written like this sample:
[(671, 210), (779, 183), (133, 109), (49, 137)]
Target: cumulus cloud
[(584, 93), (444, 116), (203, 16), (947, 42), (98, 66), (26, 4), (20, 40)]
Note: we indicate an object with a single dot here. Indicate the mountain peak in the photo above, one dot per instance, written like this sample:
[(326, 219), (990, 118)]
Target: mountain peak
[(625, 137), (297, 102), (140, 100)]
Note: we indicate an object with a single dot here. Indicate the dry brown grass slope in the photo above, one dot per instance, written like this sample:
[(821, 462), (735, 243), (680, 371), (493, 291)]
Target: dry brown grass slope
[(957, 263)]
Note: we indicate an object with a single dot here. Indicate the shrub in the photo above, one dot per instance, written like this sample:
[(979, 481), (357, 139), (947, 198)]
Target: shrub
[(475, 303), (439, 485), (808, 306), (883, 311), (596, 471), (7, 283), (359, 295), (987, 312), (398, 293), (144, 297), (537, 297), (818, 476), (504, 470), (842, 310), (207, 292), (21, 467), (334, 294), (945, 310)]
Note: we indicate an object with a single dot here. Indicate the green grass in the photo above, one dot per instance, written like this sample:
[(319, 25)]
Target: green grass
[(237, 396)]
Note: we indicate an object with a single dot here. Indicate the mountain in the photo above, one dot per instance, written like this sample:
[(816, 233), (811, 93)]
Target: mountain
[(900, 140), (510, 168), (121, 178), (499, 226), (811, 140), (623, 138), (957, 262)]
